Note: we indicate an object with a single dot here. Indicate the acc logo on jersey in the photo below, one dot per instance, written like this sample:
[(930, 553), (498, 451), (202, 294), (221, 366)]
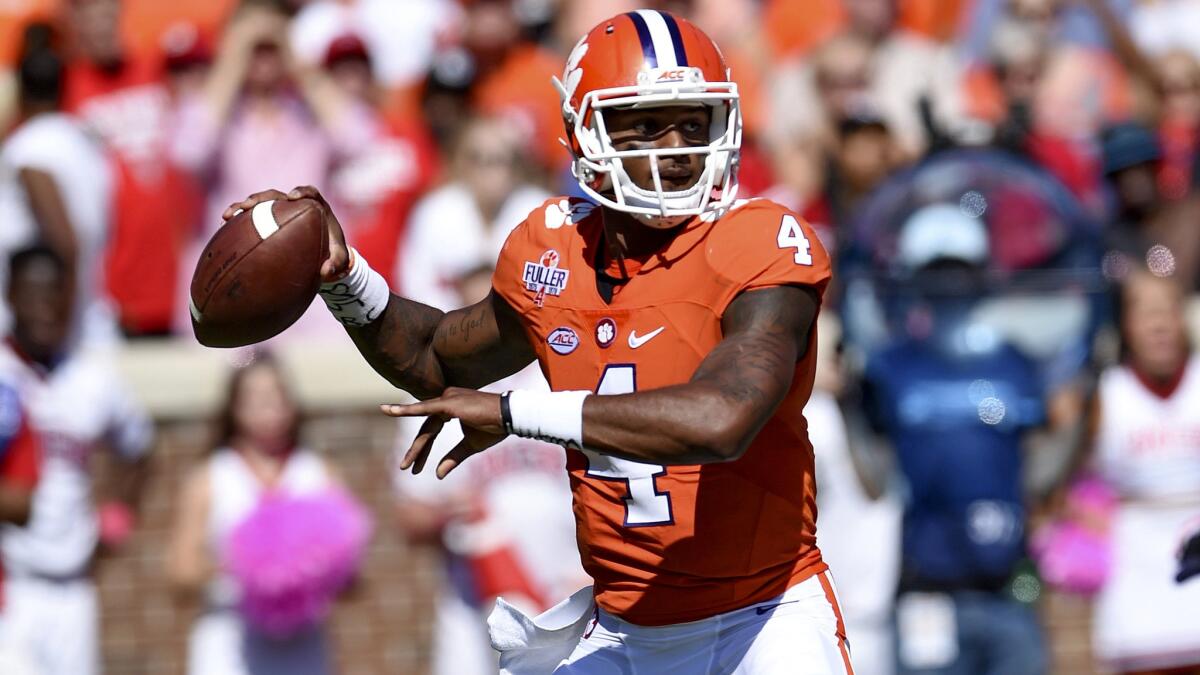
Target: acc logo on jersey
[(545, 277), (562, 340)]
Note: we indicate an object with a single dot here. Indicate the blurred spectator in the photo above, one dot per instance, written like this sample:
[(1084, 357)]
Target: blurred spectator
[(860, 520), (502, 520), (1179, 123), (187, 58), (261, 122), (956, 401), (1169, 90), (121, 97), (826, 182), (1146, 444), (1164, 236), (377, 187), (486, 197), (401, 37), (1046, 95), (864, 155), (794, 27), (503, 73), (1003, 91), (55, 187), (872, 63), (78, 406), (15, 19), (256, 456)]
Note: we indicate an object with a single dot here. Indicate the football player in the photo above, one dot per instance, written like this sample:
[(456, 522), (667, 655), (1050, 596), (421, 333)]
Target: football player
[(676, 326)]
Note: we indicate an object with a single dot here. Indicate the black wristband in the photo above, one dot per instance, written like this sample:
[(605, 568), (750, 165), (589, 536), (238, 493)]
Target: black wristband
[(506, 413)]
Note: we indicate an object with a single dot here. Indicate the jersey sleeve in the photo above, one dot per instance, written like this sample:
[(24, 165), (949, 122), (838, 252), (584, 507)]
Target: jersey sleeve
[(526, 243), (763, 244), (506, 280), (19, 455)]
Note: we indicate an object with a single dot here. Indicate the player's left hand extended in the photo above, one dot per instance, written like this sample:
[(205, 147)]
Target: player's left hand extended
[(477, 411)]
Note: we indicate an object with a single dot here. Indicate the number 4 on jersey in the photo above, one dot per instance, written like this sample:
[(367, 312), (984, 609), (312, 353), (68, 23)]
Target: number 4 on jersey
[(791, 235), (644, 504)]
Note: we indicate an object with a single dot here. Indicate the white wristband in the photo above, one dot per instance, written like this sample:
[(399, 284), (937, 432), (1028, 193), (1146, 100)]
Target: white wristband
[(358, 298), (551, 416)]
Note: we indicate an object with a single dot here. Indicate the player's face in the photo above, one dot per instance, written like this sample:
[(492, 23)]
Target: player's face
[(1154, 325), (658, 128), (264, 413), (41, 307)]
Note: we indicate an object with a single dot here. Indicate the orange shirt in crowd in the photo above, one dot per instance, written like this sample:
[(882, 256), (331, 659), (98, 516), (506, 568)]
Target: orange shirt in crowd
[(520, 88), (671, 544), (155, 204), (795, 27)]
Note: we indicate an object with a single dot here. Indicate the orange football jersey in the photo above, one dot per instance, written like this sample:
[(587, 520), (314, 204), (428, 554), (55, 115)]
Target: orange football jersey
[(671, 544)]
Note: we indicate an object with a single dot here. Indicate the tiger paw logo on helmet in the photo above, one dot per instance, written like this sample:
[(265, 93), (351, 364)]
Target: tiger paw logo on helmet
[(649, 58)]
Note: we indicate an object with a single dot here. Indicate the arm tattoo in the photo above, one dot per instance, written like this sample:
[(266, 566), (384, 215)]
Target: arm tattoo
[(470, 321), (422, 350), (766, 332), (397, 346)]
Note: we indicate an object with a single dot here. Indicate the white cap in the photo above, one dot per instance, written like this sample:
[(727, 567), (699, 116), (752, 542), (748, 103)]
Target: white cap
[(942, 231)]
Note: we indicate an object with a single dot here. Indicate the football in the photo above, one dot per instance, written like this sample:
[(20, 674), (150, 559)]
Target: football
[(258, 274)]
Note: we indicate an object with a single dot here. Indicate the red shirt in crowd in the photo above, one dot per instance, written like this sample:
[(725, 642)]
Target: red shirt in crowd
[(155, 204)]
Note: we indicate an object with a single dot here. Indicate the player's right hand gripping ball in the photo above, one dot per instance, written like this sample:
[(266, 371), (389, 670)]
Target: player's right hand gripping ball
[(259, 273)]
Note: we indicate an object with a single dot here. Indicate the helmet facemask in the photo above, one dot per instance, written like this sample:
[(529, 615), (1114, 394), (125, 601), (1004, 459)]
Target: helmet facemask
[(600, 170)]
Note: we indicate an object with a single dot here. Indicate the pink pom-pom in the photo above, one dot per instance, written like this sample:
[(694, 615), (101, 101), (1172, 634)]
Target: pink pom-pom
[(1073, 553), (293, 555)]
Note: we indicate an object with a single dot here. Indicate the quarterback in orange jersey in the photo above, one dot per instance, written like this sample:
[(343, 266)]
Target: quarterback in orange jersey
[(677, 328)]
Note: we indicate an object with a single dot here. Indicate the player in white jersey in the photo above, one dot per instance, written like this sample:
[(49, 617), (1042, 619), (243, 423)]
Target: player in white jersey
[(77, 405), (504, 523), (1147, 446), (55, 187)]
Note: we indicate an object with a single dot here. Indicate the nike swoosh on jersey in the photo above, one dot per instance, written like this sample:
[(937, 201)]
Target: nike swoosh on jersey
[(763, 610), (636, 340)]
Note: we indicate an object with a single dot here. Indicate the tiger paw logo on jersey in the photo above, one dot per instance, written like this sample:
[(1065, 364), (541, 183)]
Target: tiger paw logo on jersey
[(545, 277), (606, 332)]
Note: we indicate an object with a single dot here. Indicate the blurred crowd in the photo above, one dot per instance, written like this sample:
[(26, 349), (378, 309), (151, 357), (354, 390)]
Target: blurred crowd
[(1006, 403)]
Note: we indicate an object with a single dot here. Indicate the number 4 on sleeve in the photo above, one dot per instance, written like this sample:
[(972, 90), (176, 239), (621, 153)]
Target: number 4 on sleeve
[(791, 235)]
